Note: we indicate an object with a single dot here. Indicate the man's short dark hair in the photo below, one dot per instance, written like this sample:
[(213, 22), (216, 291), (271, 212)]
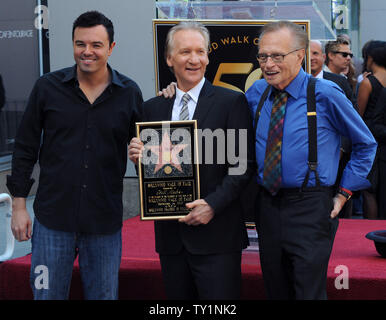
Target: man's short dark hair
[(332, 46), (91, 19)]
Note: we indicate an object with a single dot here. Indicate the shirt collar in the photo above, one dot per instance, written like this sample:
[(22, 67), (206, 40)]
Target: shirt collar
[(194, 93), (325, 68), (319, 75), (328, 70), (71, 75)]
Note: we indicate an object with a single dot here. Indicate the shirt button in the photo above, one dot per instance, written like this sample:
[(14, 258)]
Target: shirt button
[(84, 186), (86, 166), (87, 146)]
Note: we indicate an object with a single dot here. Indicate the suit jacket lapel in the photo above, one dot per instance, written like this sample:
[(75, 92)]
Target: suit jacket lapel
[(164, 113), (204, 103), (170, 108)]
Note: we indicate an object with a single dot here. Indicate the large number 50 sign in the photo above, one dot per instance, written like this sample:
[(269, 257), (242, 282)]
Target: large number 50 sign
[(239, 69), (232, 54)]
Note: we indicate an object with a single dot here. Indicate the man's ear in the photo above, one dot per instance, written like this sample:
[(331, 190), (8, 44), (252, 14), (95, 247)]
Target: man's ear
[(168, 61), (301, 54), (112, 45)]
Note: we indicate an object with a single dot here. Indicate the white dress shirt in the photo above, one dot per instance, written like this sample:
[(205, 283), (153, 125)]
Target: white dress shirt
[(320, 75), (194, 94)]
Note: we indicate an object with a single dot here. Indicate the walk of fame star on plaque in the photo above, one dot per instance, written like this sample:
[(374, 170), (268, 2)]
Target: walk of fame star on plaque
[(168, 170)]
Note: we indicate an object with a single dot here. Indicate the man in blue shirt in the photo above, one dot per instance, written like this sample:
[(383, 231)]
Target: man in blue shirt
[(297, 210)]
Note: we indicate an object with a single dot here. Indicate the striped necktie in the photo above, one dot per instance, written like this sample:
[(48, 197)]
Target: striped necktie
[(272, 162), (184, 113)]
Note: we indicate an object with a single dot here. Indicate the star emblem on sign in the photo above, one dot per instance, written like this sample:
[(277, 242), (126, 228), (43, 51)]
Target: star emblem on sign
[(167, 153)]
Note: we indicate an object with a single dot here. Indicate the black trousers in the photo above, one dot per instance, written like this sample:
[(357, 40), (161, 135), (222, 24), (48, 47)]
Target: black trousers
[(296, 235), (205, 277)]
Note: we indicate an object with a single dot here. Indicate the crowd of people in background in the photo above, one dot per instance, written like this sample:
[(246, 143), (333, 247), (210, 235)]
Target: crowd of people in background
[(363, 81)]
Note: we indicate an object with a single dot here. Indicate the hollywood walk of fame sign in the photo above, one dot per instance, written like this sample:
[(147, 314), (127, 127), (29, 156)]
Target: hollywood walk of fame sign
[(168, 169)]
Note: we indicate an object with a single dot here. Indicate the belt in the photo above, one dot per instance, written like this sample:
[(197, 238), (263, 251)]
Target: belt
[(285, 191)]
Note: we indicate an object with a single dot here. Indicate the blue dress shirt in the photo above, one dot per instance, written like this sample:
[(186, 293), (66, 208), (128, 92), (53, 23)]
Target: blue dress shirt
[(335, 117)]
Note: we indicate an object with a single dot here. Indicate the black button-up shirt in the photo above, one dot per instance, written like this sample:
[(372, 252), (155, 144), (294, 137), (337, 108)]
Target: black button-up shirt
[(82, 151)]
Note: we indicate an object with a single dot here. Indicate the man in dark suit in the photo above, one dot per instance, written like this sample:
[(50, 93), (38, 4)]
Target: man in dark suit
[(317, 61), (200, 254)]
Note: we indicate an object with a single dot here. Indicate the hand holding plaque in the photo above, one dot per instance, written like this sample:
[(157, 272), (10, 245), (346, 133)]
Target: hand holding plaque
[(201, 213), (168, 168)]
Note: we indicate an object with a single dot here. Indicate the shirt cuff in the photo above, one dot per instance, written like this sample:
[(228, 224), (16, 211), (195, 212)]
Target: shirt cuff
[(215, 203), (353, 182), (19, 188)]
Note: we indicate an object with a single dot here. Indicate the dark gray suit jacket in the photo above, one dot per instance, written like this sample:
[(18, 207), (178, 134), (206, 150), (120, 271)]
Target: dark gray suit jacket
[(217, 108), (343, 83)]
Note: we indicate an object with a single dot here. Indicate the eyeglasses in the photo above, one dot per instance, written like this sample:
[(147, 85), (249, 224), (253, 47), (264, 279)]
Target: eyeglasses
[(276, 57), (344, 54)]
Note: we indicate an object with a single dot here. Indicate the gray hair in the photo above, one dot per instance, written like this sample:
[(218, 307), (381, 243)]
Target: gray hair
[(318, 43), (186, 25), (300, 35)]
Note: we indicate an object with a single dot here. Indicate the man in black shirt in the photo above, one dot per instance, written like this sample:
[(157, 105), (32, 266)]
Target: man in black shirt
[(85, 116)]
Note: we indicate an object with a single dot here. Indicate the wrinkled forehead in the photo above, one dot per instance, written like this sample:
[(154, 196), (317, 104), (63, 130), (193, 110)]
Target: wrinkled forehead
[(279, 41), (187, 36)]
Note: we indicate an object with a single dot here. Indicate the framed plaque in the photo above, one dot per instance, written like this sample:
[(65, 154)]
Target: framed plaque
[(168, 169)]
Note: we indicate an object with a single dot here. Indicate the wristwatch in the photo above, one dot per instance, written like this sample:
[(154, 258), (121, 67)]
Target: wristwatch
[(346, 193)]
